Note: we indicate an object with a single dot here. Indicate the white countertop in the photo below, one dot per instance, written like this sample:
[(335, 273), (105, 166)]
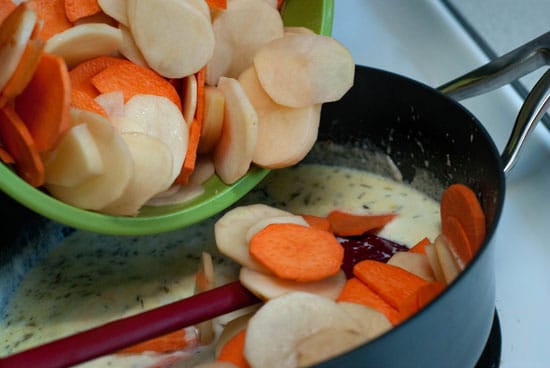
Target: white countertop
[(422, 40)]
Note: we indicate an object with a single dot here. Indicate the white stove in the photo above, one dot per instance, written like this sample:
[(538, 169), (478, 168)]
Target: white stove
[(423, 40)]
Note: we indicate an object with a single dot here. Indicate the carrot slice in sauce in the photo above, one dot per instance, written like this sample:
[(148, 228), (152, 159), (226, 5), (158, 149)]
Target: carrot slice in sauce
[(318, 222), (52, 13), (6, 7), (173, 341), (296, 252), (77, 9), (233, 350), (420, 247), (349, 224)]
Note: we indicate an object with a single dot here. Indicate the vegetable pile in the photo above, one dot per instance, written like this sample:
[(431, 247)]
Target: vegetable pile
[(312, 310), (111, 105)]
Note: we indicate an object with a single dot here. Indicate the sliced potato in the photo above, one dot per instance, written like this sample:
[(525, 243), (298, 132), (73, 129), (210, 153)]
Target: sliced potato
[(76, 158), (231, 229), (416, 263), (201, 6), (435, 263), (212, 123), (161, 118), (325, 344), (152, 173), (240, 31), (84, 42), (297, 30), (309, 69), (189, 101), (118, 169), (285, 134), (233, 153), (112, 103), (274, 332), (15, 32), (128, 47), (262, 223), (371, 323), (204, 281), (174, 37), (115, 9), (448, 263), (268, 287)]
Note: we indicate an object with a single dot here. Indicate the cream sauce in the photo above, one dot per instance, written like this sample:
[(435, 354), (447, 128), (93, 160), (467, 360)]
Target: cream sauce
[(90, 279)]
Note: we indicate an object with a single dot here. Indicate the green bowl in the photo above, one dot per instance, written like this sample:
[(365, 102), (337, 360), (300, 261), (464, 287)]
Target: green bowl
[(314, 14)]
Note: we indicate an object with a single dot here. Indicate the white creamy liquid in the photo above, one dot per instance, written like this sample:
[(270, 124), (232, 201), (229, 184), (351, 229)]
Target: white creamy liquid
[(90, 279)]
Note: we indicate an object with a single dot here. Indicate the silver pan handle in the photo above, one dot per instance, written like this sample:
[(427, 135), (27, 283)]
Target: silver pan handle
[(502, 71)]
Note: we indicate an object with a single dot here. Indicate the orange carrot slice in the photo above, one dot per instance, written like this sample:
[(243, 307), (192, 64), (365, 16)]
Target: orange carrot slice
[(217, 4), (233, 350), (170, 342), (194, 132), (77, 9), (321, 223), (133, 79), (24, 71), (45, 102), (296, 252), (19, 144), (349, 224), (355, 291), (460, 202), (419, 299), (52, 13), (81, 100), (6, 7), (81, 75), (392, 283), (6, 157), (457, 238), (420, 247)]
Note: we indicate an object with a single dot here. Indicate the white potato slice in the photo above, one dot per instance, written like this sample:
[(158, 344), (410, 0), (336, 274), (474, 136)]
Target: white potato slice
[(15, 32), (285, 134), (309, 69), (446, 258), (118, 167), (115, 9), (201, 6), (128, 47), (297, 30), (262, 223), (216, 364), (371, 323), (233, 153), (240, 31), (112, 103), (152, 173), (325, 344), (272, 3), (435, 263), (212, 123), (231, 229), (204, 281), (189, 101), (84, 42), (175, 39), (161, 118), (75, 158), (267, 287), (416, 263), (289, 319)]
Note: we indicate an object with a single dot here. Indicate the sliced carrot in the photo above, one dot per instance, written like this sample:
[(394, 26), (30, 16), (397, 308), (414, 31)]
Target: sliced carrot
[(460, 202), (52, 13), (194, 132), (355, 291), (170, 342), (44, 104), (457, 238), (420, 247), (349, 224), (279, 4), (321, 223), (77, 9), (18, 142), (217, 4), (81, 75), (24, 71), (419, 299), (81, 100), (296, 252), (6, 157), (392, 283), (233, 350), (133, 79), (6, 7)]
